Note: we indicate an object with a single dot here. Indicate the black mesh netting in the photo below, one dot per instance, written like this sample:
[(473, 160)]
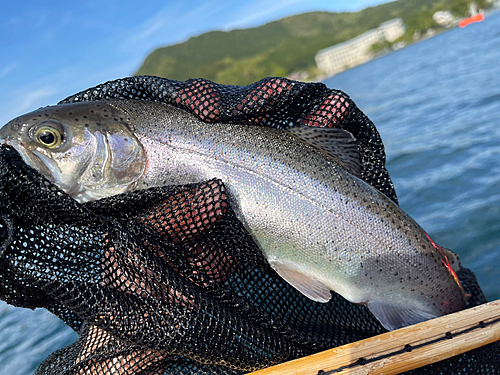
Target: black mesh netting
[(166, 280)]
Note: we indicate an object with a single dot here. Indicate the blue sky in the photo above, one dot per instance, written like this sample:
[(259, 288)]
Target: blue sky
[(52, 49)]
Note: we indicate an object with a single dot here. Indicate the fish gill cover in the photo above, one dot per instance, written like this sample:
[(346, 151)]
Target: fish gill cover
[(167, 280)]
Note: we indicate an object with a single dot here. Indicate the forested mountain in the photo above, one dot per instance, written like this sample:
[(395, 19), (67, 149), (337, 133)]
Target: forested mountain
[(286, 46)]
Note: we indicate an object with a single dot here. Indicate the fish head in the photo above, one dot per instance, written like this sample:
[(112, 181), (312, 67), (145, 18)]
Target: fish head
[(87, 149)]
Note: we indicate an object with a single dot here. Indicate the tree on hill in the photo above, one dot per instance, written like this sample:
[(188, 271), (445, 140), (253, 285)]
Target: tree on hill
[(286, 46)]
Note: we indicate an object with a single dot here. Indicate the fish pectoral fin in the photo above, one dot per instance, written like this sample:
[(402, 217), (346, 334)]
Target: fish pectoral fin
[(305, 284), (395, 317)]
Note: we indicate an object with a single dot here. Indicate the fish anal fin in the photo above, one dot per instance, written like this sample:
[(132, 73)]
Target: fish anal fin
[(395, 317), (305, 284), (338, 143)]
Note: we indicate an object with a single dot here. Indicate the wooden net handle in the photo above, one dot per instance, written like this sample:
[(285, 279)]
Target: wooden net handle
[(404, 349)]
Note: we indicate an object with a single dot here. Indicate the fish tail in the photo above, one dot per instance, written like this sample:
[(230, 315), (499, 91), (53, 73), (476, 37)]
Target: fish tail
[(447, 265)]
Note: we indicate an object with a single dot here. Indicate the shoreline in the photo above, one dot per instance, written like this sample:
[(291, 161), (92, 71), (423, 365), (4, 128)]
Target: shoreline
[(435, 33)]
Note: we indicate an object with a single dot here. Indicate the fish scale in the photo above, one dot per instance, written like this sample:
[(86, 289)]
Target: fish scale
[(319, 226)]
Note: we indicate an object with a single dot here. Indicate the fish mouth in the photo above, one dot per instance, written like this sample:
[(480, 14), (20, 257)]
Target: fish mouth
[(36, 160), (46, 166)]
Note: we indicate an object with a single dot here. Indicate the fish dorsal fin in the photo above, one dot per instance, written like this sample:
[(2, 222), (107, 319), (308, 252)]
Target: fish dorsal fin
[(395, 317), (308, 286), (453, 259), (338, 143)]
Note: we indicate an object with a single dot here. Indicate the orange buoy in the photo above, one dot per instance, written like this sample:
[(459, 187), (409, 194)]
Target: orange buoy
[(467, 21)]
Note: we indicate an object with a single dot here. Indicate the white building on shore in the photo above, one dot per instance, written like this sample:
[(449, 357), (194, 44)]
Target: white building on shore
[(335, 59)]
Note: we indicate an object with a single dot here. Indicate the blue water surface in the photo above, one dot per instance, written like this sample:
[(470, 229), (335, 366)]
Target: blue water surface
[(437, 106)]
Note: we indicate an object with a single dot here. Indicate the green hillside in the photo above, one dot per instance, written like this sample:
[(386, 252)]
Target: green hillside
[(283, 47)]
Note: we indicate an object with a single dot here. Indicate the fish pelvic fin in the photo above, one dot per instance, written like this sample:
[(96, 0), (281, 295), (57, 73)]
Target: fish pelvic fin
[(305, 284), (395, 317)]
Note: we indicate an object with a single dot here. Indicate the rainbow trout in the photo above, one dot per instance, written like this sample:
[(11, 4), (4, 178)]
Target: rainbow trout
[(297, 192)]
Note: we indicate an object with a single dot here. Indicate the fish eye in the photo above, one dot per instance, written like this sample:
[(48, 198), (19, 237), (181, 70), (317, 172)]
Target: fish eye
[(48, 137)]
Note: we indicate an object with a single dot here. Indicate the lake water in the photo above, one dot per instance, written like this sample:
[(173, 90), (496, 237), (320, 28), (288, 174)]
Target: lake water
[(437, 107)]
